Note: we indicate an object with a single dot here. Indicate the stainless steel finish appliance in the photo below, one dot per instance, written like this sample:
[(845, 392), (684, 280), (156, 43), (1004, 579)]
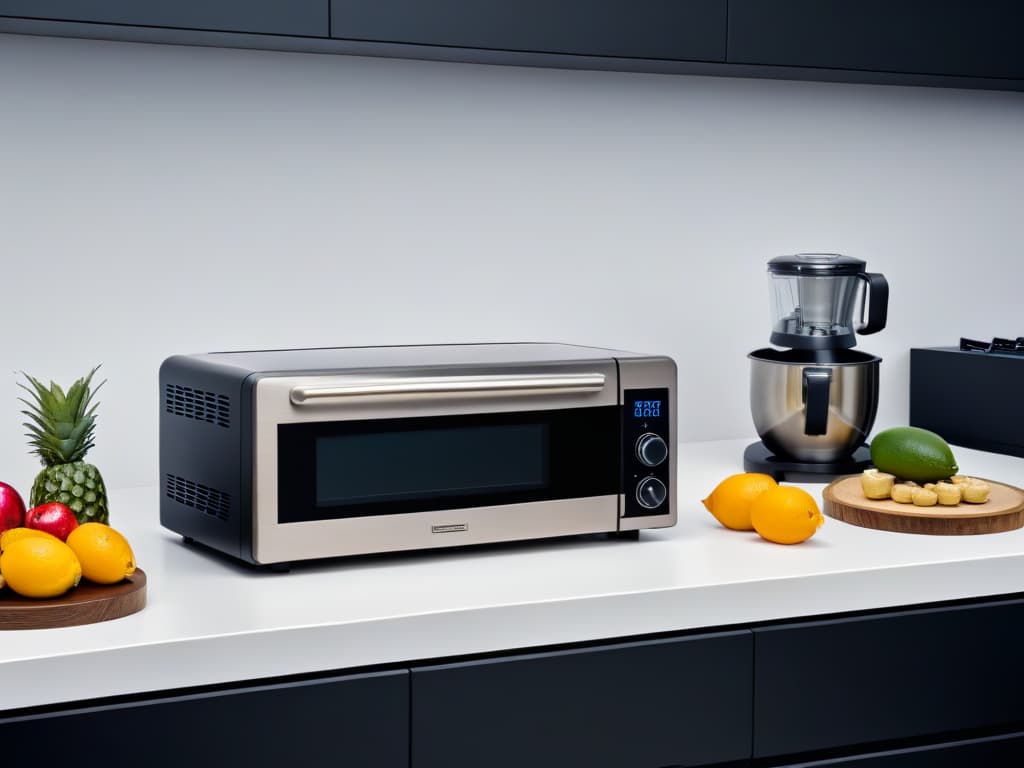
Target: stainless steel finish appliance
[(811, 411), (280, 456), (814, 404)]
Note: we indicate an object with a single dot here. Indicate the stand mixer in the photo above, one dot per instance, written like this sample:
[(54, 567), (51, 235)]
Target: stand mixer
[(814, 403)]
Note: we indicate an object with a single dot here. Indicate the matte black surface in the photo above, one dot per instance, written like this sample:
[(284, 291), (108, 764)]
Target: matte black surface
[(878, 303), (901, 675), (757, 458), (359, 721), (973, 399), (582, 447), (636, 423), (814, 357), (803, 342), (635, 705), (651, 29), (206, 454), (994, 752), (276, 17), (951, 37), (281, 42), (817, 385)]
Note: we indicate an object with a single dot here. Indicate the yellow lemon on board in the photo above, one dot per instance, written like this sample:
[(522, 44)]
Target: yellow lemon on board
[(731, 499), (786, 515), (105, 554), (37, 566), (12, 535)]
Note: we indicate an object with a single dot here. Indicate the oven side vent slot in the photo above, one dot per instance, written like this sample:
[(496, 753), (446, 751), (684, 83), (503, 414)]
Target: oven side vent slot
[(198, 404), (208, 500)]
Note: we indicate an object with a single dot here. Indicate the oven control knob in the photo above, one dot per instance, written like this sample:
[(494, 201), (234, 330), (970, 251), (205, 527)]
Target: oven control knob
[(651, 449), (651, 493)]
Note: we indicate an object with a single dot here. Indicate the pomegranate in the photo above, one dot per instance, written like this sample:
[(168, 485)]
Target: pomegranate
[(53, 518), (12, 508)]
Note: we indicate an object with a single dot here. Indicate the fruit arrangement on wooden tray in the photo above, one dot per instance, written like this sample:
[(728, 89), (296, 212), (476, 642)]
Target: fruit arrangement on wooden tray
[(64, 535), (916, 487)]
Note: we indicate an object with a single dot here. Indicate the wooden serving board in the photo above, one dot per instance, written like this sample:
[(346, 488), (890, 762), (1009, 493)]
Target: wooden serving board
[(1004, 511), (87, 603)]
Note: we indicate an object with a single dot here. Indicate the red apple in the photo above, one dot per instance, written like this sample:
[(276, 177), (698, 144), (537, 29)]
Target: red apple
[(54, 518), (12, 508)]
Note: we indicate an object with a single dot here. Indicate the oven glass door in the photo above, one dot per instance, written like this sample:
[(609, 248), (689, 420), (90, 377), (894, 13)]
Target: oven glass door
[(342, 469)]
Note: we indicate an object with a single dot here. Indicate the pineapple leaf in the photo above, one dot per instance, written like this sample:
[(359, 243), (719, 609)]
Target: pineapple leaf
[(62, 423), (81, 432), (80, 395), (36, 418), (38, 391), (37, 434)]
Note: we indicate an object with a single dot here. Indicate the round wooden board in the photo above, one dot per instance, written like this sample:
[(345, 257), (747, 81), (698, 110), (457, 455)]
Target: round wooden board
[(1004, 511), (87, 603)]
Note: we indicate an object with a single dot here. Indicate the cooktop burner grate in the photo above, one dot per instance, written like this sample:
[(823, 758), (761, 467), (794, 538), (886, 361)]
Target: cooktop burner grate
[(1011, 346)]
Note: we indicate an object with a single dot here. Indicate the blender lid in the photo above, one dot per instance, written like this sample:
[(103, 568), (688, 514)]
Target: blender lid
[(816, 265)]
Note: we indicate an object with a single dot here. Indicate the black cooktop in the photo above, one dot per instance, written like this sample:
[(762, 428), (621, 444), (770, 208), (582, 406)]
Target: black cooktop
[(1003, 346)]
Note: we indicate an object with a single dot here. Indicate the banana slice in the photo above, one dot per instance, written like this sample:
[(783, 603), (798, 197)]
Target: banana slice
[(902, 493), (875, 484), (976, 492), (922, 497), (948, 494)]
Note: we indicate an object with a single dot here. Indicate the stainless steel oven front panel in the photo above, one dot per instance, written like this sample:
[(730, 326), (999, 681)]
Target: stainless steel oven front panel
[(640, 373), (421, 393)]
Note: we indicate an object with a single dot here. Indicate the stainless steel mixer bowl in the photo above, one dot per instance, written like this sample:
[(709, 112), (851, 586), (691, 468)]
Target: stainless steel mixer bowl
[(813, 411)]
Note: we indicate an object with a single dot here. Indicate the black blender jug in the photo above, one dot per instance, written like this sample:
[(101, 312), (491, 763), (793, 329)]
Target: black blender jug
[(814, 403)]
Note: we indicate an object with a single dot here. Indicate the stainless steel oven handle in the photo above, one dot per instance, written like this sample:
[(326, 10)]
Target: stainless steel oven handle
[(521, 384)]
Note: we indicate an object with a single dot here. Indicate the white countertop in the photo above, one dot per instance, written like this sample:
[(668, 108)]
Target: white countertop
[(209, 620)]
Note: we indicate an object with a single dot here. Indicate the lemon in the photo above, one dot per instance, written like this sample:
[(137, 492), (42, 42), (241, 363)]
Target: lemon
[(105, 554), (786, 515), (12, 535), (912, 453), (731, 499), (37, 566)]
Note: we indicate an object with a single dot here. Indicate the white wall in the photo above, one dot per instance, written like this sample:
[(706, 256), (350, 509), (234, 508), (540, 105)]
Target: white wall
[(158, 199)]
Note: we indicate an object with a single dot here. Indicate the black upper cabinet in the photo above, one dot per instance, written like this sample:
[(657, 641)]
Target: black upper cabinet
[(274, 17), (648, 704), (690, 30), (958, 43), (937, 37)]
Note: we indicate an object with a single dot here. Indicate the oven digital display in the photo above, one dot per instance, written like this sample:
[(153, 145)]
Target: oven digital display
[(646, 408), (429, 463)]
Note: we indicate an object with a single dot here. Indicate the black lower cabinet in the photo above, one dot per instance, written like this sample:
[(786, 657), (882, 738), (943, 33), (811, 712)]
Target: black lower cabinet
[(969, 38), (691, 30), (901, 675), (275, 17), (995, 752), (650, 704), (357, 721)]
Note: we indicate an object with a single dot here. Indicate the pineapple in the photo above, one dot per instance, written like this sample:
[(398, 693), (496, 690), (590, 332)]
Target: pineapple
[(60, 432)]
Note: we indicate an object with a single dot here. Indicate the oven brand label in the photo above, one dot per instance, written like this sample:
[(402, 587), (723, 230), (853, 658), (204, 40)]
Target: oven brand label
[(453, 528)]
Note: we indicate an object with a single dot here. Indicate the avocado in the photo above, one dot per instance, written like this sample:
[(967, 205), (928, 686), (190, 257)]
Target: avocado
[(912, 453)]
